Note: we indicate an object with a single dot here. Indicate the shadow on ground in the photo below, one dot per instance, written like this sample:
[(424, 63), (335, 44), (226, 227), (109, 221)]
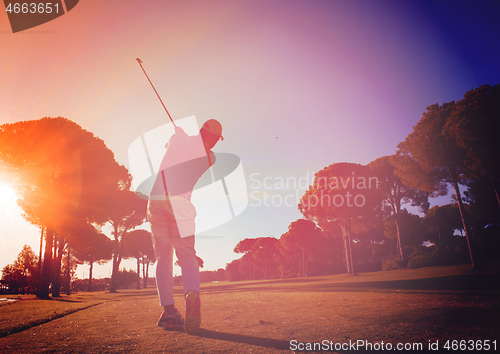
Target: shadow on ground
[(40, 321), (238, 338)]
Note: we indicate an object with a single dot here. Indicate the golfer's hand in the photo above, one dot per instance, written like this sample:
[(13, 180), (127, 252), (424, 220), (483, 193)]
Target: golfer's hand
[(200, 262), (211, 156), (179, 130)]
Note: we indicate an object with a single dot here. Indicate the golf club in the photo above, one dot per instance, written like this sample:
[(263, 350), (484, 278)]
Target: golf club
[(164, 184), (140, 63)]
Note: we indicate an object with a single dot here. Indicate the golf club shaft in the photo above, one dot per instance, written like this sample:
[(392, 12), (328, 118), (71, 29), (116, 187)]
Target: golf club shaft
[(210, 167), (140, 63)]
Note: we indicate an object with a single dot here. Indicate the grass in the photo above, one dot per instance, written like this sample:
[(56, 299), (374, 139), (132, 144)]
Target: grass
[(264, 316)]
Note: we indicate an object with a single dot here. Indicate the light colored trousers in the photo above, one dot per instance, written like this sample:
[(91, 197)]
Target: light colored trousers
[(166, 239)]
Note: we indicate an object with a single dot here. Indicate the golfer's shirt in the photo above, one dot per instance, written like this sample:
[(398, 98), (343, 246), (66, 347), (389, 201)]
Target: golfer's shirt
[(185, 161)]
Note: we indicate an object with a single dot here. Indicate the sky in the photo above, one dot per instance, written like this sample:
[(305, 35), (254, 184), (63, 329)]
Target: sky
[(297, 85)]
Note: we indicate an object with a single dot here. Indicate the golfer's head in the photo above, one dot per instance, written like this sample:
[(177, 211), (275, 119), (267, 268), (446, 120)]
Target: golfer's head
[(211, 132)]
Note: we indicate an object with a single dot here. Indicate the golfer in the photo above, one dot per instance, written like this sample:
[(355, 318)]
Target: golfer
[(171, 216)]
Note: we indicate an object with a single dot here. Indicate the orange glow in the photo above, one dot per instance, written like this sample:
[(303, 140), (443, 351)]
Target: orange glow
[(7, 197)]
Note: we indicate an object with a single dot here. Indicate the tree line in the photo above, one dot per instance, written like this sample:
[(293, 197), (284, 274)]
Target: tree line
[(356, 217), (22, 277), (70, 185), (350, 226)]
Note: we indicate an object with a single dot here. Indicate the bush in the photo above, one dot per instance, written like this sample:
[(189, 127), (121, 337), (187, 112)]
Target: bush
[(391, 264), (425, 257), (366, 267), (97, 284), (126, 279)]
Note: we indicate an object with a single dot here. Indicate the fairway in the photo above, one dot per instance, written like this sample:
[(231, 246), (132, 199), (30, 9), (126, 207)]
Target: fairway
[(267, 316)]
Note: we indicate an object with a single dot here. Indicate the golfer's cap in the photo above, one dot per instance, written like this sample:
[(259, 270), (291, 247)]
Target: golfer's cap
[(214, 127)]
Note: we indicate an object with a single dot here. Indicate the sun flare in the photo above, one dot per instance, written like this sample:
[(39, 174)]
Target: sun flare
[(8, 197)]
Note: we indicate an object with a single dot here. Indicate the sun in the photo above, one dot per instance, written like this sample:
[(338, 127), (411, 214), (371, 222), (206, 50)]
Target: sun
[(8, 197)]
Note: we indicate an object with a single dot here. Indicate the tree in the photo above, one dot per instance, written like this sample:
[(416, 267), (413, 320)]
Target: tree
[(91, 246), (233, 272), (209, 276), (63, 174), (484, 213), (68, 269), (258, 258), (395, 195), (60, 244), (138, 244), (302, 241), (343, 193), (430, 159), (475, 126), (265, 255), (371, 246), (414, 231), (483, 204), (247, 247), (441, 223), (127, 212), (22, 273)]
